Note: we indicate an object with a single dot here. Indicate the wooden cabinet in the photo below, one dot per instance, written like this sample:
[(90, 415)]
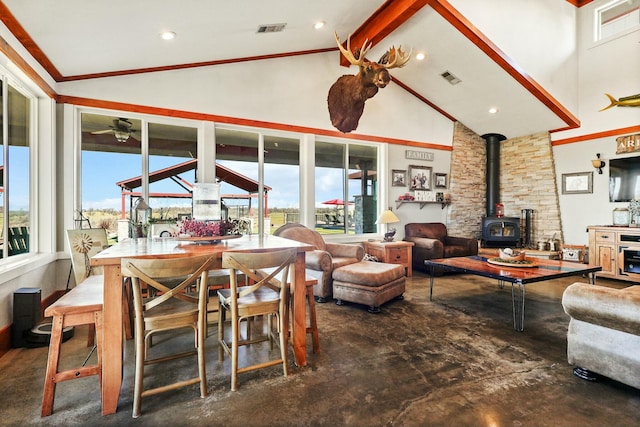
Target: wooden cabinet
[(614, 249), (392, 253)]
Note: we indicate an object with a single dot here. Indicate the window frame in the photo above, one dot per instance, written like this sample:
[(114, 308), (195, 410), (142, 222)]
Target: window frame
[(9, 80), (206, 156), (598, 24)]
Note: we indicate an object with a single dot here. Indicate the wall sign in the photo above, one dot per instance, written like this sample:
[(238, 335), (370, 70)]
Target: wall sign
[(628, 144), (418, 155)]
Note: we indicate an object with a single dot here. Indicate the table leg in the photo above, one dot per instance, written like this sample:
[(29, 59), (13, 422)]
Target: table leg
[(299, 332), (112, 348), (518, 305), (433, 273)]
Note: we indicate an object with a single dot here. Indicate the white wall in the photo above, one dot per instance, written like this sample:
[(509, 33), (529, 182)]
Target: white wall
[(610, 66), (538, 35)]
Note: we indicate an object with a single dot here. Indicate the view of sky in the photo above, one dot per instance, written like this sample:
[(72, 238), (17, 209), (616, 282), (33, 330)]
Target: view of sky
[(101, 171)]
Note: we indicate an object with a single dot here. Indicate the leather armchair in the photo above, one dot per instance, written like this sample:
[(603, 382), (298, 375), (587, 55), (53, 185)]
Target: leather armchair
[(324, 259), (604, 331), (432, 241)]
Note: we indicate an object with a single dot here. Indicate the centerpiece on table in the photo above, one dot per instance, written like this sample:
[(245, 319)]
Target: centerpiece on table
[(511, 258), (191, 229)]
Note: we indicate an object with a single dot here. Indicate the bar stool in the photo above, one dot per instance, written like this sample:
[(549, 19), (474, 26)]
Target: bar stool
[(82, 305), (312, 327)]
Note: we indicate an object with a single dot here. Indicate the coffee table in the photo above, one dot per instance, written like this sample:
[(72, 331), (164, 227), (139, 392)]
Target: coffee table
[(519, 277)]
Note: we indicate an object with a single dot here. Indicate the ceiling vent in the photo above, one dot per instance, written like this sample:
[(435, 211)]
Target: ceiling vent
[(271, 28), (453, 80)]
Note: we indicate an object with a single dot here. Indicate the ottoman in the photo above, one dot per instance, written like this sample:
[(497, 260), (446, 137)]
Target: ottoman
[(368, 283)]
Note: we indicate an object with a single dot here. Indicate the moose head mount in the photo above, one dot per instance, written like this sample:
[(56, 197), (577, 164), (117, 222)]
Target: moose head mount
[(347, 95)]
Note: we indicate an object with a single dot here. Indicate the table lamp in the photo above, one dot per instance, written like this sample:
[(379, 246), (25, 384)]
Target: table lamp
[(388, 217)]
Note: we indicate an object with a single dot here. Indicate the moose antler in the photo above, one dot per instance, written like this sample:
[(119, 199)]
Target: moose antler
[(349, 55), (395, 58)]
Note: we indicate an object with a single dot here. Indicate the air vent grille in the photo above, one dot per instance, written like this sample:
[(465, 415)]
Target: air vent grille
[(271, 28), (453, 80)]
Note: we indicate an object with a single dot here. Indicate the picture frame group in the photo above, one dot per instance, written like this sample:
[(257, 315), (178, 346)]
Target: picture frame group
[(419, 178)]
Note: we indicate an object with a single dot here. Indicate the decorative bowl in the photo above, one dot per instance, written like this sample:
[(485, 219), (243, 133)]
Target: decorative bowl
[(512, 255)]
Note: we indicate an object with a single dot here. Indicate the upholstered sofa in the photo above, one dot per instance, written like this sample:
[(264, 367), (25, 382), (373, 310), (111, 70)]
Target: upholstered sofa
[(324, 259), (431, 241), (604, 331)]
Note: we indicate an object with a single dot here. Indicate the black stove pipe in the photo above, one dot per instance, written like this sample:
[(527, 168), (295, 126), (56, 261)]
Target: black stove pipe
[(493, 171)]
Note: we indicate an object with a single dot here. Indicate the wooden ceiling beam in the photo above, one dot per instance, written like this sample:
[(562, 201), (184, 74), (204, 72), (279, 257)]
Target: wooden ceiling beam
[(391, 15)]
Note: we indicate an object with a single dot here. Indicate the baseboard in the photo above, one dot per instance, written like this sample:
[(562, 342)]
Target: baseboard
[(5, 340)]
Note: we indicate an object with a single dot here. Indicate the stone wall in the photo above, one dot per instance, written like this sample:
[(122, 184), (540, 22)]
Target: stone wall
[(527, 181), (467, 183)]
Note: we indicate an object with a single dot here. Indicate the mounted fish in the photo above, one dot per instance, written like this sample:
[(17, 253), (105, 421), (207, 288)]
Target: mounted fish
[(348, 94), (627, 101)]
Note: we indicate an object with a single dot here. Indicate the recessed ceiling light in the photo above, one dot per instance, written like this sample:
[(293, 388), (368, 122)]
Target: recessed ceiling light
[(421, 56), (319, 25), (494, 110), (168, 35)]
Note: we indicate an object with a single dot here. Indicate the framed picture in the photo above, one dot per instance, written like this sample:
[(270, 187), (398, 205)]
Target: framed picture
[(420, 177), (577, 183), (398, 178), (440, 180)]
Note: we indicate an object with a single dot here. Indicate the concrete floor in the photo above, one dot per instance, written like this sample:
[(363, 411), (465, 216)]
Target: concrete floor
[(455, 361)]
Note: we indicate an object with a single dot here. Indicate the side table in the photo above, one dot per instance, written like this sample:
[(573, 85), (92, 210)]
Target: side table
[(392, 253)]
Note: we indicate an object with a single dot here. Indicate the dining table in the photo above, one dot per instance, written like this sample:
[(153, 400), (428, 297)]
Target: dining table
[(173, 247)]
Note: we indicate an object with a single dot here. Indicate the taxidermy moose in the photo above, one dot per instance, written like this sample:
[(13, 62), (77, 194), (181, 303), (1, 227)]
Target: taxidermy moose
[(348, 94)]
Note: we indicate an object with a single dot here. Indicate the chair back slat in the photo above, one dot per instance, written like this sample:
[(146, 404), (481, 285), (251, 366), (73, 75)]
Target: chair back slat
[(249, 263), (155, 272)]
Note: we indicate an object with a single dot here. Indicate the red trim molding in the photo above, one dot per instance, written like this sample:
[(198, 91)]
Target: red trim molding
[(5, 340), (597, 135), (579, 3), (14, 57), (193, 65), (25, 39), (96, 103)]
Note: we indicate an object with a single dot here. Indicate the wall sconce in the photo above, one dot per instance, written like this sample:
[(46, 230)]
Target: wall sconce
[(598, 164), (388, 217)]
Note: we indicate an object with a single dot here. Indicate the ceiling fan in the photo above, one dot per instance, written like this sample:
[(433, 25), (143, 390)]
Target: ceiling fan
[(121, 129)]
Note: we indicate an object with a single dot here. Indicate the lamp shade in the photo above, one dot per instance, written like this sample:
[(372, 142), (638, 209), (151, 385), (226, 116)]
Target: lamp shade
[(387, 217)]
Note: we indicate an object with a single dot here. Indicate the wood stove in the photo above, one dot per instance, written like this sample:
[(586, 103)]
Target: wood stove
[(500, 232)]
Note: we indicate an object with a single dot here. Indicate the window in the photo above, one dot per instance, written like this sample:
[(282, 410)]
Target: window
[(346, 190), (15, 165), (616, 17), (116, 173), (237, 169), (124, 159)]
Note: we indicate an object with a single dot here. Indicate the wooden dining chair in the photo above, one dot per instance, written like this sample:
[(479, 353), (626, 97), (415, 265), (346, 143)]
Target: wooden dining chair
[(264, 296), (168, 308)]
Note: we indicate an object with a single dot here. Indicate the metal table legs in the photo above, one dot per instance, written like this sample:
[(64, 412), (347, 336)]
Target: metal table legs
[(518, 291)]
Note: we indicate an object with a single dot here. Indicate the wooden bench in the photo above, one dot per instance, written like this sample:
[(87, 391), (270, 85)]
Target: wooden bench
[(82, 305)]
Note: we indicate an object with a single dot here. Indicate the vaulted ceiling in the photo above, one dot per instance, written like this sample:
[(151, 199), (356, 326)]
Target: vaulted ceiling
[(76, 39)]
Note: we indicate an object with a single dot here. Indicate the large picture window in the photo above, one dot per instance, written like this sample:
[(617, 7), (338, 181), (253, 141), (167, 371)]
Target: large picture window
[(15, 164), (127, 160)]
